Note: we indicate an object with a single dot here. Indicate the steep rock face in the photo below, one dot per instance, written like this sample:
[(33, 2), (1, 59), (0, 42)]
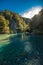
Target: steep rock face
[(36, 23), (11, 22)]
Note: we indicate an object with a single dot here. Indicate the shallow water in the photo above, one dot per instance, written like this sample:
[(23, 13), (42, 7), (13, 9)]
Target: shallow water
[(22, 50)]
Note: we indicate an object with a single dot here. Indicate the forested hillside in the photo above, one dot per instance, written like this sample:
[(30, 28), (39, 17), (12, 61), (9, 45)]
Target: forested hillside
[(11, 22)]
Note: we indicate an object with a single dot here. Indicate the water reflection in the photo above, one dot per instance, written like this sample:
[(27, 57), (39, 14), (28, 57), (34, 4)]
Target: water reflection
[(23, 50), (28, 47)]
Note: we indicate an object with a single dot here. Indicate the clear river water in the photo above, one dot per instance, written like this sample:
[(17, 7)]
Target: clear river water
[(22, 50)]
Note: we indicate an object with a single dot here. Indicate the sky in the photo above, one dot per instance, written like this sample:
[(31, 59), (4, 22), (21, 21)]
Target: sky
[(20, 6)]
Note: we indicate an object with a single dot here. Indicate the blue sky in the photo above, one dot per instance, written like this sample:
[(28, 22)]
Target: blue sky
[(19, 6)]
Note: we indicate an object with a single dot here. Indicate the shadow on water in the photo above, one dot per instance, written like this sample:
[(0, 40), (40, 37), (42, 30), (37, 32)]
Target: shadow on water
[(23, 50)]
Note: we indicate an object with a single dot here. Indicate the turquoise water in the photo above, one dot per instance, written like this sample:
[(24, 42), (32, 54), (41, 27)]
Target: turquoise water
[(22, 50)]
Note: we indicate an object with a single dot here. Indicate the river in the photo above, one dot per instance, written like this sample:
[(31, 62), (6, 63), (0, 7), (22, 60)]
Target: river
[(22, 50)]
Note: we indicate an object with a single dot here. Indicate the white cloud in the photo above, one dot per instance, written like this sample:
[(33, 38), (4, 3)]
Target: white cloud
[(30, 13)]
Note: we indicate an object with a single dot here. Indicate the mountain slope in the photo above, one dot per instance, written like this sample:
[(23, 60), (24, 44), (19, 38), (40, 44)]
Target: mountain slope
[(36, 23), (11, 22), (27, 20)]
